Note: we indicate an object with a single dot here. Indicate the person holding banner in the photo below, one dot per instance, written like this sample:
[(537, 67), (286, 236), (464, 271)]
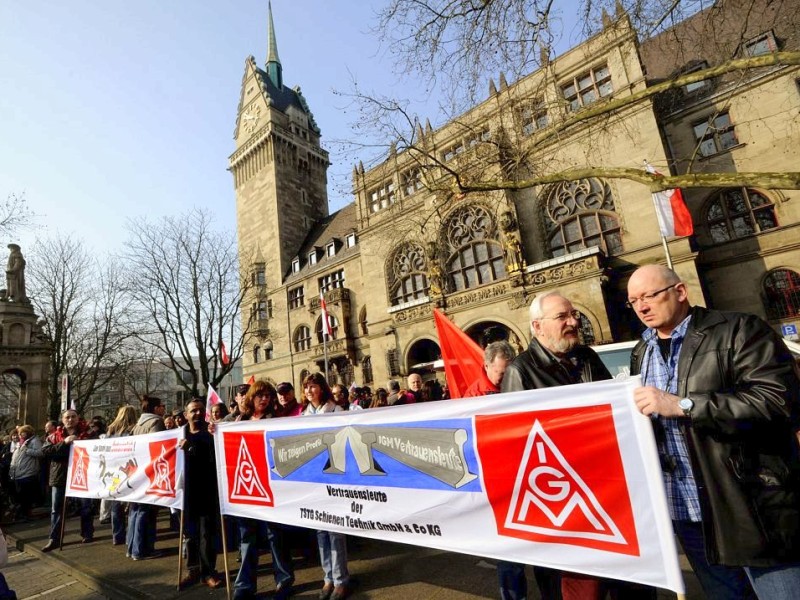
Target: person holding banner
[(141, 536), (556, 357), (723, 396), (259, 403), (121, 426), (332, 545), (58, 453), (201, 505)]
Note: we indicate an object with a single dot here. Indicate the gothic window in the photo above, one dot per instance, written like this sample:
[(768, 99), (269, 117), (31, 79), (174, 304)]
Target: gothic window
[(587, 88), (581, 214), (586, 331), (407, 274), (382, 197), (412, 181), (475, 255), (259, 274), (782, 294), (302, 338), (533, 116), (334, 323), (256, 354), (738, 213), (366, 369)]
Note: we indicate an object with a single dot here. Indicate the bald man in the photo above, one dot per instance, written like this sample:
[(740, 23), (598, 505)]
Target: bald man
[(720, 389)]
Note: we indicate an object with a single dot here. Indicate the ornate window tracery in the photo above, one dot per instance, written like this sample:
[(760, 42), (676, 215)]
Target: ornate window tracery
[(736, 213), (580, 214), (407, 274), (782, 294), (475, 256)]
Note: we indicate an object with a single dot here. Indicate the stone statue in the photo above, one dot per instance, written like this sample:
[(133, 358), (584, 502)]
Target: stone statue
[(513, 253), (15, 275)]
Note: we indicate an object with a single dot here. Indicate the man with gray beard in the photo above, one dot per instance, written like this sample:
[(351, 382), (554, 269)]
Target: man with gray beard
[(556, 357)]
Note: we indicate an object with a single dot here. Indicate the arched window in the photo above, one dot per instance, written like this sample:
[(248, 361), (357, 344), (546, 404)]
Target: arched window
[(580, 214), (302, 338), (475, 256), (366, 369), (737, 213), (256, 354), (782, 294), (334, 322), (407, 274), (586, 331)]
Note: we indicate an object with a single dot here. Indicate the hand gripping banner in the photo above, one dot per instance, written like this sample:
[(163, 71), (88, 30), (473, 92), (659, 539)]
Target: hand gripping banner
[(565, 477), (142, 468)]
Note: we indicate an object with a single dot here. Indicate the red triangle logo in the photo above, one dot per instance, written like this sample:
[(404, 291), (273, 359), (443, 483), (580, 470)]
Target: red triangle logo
[(80, 469), (556, 476), (550, 498), (161, 469), (247, 480)]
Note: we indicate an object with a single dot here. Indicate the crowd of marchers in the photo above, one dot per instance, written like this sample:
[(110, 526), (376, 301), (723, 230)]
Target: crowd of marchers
[(721, 391)]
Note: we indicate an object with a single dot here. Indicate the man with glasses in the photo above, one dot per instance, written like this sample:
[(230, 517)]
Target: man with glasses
[(556, 357), (721, 391)]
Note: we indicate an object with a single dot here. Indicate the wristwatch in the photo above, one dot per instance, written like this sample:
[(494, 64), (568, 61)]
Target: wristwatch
[(686, 405)]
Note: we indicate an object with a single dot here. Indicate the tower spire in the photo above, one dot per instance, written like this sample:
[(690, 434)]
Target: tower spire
[(274, 69)]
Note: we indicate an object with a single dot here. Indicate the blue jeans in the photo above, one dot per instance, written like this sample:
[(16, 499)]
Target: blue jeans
[(141, 537), (56, 508), (117, 510), (333, 556), (251, 532), (718, 581)]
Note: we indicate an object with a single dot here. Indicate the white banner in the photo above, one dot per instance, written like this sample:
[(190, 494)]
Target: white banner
[(565, 477), (141, 468)]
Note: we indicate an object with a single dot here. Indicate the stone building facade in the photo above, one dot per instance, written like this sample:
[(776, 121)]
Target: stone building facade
[(405, 245)]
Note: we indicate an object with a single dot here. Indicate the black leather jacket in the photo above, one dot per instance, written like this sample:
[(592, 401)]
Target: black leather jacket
[(537, 368), (741, 442)]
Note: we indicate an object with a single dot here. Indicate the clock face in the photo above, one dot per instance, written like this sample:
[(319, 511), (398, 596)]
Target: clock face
[(250, 118)]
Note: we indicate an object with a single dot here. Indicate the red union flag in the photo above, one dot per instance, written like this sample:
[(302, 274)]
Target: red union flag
[(160, 470), (326, 323), (79, 479), (547, 483), (246, 467)]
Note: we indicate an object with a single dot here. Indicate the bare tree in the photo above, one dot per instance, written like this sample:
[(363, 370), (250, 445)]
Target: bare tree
[(84, 311), (186, 282), (14, 214), (455, 44)]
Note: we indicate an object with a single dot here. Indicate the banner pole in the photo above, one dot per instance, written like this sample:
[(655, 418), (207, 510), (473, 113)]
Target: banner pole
[(63, 517), (225, 556), (180, 551), (666, 251)]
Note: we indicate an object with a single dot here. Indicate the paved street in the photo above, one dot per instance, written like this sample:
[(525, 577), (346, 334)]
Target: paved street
[(31, 577), (381, 570)]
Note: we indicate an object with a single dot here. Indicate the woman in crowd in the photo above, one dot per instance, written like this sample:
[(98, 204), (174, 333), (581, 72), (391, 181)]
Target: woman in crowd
[(121, 426), (381, 398), (332, 546), (259, 403), (218, 412), (24, 471)]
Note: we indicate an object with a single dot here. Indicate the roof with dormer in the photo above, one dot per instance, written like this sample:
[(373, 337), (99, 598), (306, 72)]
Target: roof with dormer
[(336, 226)]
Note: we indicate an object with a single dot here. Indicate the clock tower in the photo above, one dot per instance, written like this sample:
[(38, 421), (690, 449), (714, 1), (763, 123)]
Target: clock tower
[(279, 168)]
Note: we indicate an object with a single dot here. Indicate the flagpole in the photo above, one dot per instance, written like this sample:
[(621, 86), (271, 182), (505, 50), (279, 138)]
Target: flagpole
[(325, 350)]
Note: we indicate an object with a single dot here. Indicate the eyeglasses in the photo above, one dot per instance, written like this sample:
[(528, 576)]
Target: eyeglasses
[(574, 314), (648, 298)]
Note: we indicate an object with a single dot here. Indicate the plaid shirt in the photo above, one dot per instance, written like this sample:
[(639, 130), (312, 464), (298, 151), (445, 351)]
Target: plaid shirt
[(682, 496)]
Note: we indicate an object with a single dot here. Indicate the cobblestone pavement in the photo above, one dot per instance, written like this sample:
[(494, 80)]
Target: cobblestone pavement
[(33, 577)]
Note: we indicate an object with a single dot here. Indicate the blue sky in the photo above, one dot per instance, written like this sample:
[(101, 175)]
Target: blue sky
[(114, 111)]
